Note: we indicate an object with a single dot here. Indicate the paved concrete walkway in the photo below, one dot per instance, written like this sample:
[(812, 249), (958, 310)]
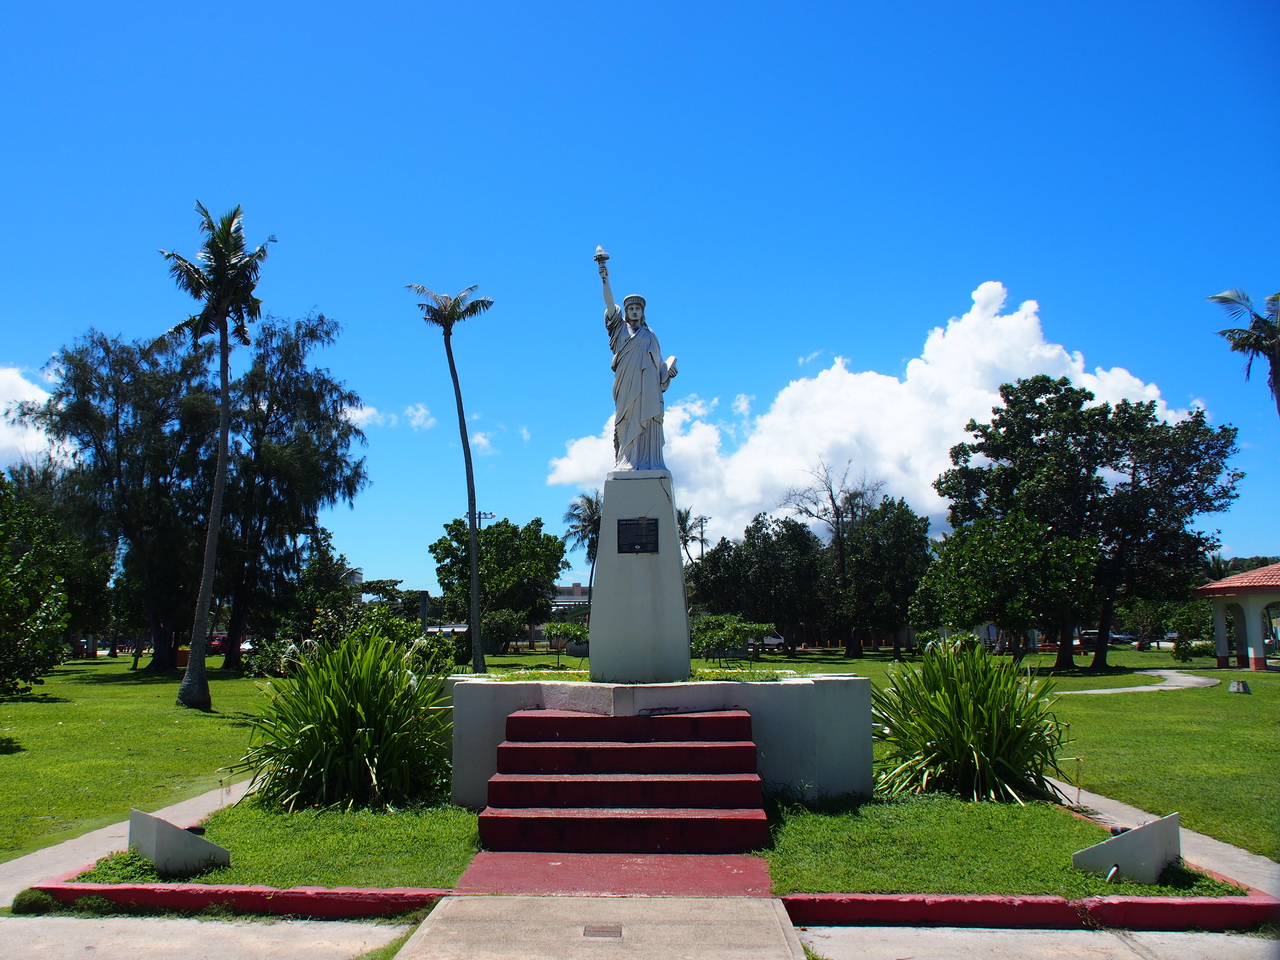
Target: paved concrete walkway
[(1169, 680), (1250, 868), (970, 943)]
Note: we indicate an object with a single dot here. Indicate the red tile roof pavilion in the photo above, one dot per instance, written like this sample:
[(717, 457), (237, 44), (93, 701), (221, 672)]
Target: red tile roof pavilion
[(1262, 580), (1249, 595)]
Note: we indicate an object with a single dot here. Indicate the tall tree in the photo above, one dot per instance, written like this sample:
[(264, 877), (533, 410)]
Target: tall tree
[(775, 575), (1260, 340), (223, 279), (33, 605), (292, 458), (888, 554), (444, 312), (138, 420), (1012, 572), (839, 505), (518, 566), (1092, 473), (583, 518)]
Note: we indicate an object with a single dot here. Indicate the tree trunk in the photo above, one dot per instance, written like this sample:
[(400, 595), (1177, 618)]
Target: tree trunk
[(473, 544), (194, 690), (1105, 619), (1066, 637), (236, 623)]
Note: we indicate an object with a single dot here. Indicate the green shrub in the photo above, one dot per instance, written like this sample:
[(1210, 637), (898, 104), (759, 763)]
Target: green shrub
[(1185, 649), (356, 725), (966, 723), (719, 636), (500, 629), (568, 632), (30, 901)]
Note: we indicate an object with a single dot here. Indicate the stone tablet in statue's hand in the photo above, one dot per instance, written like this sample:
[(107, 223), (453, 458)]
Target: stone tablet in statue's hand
[(671, 368)]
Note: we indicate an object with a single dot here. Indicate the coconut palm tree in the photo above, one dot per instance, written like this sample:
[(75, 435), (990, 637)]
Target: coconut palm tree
[(690, 529), (583, 518), (1260, 339), (223, 277), (443, 311)]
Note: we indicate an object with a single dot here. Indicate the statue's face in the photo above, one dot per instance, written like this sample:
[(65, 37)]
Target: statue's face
[(635, 312)]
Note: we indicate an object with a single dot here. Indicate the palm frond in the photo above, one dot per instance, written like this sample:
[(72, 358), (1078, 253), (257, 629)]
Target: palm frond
[(1236, 303)]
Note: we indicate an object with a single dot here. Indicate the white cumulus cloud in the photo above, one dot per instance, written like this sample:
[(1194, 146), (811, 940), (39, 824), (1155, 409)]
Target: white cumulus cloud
[(18, 443), (370, 417), (896, 429), (420, 417)]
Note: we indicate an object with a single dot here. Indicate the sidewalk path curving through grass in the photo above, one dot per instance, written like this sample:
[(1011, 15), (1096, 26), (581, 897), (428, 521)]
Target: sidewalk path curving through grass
[(1169, 680)]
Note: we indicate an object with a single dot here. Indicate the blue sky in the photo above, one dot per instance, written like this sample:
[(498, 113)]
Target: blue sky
[(851, 223)]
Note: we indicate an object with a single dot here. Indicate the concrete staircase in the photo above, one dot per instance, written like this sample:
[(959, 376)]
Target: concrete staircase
[(580, 782)]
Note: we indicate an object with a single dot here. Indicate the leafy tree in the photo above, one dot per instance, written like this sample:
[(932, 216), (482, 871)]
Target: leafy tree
[(327, 605), (718, 580), (774, 575), (839, 505), (1117, 477), (1013, 572), (138, 421), (888, 553), (1260, 340), (583, 518), (223, 279), (291, 459), (518, 567), (50, 490), (444, 312), (33, 604)]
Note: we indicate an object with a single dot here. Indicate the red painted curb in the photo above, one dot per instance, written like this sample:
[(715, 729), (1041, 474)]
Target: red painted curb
[(938, 910), (323, 902)]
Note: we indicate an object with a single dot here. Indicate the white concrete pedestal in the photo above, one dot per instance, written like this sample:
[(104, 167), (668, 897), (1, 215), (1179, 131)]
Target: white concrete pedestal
[(639, 621)]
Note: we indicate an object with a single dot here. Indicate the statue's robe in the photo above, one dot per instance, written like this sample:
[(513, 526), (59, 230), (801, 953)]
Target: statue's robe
[(639, 379)]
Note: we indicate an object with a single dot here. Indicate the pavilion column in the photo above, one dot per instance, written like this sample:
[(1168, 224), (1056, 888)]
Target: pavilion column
[(1254, 637), (1220, 633), (1241, 633)]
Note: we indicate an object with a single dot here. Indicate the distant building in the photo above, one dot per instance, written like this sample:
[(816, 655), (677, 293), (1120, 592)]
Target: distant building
[(570, 597)]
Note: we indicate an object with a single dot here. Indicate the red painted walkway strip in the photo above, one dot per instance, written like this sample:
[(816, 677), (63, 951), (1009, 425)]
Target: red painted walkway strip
[(616, 875)]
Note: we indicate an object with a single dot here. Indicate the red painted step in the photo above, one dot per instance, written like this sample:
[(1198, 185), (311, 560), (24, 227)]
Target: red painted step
[(546, 725), (625, 790), (623, 829), (603, 756), (673, 783)]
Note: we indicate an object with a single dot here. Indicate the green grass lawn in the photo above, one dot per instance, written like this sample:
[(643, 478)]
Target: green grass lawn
[(97, 738), (1209, 754), (943, 845), (325, 848)]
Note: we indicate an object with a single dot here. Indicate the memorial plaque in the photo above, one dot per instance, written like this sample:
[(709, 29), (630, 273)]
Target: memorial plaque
[(638, 536)]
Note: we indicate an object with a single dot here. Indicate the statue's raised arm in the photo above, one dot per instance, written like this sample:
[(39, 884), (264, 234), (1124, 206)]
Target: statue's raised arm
[(640, 376), (602, 260)]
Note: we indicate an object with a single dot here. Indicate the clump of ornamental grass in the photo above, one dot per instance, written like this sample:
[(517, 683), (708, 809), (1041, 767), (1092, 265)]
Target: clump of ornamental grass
[(356, 725), (967, 723)]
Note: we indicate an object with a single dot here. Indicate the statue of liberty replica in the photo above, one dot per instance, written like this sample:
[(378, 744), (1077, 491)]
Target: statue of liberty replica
[(639, 619)]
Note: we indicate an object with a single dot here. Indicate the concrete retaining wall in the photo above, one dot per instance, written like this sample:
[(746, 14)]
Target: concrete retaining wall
[(813, 734)]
